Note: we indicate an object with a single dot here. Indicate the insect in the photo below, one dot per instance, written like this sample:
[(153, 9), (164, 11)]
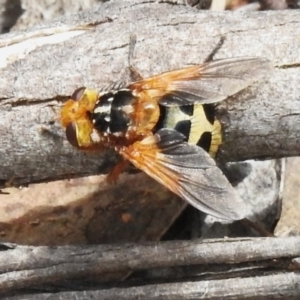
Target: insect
[(161, 125)]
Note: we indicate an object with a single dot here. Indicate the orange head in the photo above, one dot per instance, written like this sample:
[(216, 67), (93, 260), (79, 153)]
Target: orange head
[(75, 117)]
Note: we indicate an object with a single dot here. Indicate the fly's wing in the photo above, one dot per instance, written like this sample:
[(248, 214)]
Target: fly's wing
[(188, 171), (210, 82)]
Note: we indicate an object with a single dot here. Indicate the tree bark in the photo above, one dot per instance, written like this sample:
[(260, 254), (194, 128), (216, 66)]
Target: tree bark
[(65, 54)]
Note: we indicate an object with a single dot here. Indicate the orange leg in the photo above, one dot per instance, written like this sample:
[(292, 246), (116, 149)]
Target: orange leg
[(116, 171)]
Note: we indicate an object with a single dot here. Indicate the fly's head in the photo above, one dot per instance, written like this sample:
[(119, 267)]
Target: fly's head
[(75, 118)]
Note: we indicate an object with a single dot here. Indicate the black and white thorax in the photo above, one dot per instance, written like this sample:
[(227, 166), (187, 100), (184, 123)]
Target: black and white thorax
[(113, 112)]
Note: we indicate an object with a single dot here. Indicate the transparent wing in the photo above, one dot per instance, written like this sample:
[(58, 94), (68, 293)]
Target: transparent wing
[(210, 82), (188, 171)]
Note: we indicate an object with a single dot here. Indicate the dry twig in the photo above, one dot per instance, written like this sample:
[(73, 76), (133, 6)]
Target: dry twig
[(76, 268)]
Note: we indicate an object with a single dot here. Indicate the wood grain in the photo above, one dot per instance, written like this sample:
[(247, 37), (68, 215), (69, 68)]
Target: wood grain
[(80, 267)]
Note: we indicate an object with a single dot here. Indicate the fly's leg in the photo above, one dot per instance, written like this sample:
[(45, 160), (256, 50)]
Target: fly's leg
[(215, 50), (134, 73), (257, 227), (116, 171)]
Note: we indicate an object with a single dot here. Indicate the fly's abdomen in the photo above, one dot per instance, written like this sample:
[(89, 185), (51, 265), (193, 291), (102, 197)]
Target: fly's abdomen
[(196, 122)]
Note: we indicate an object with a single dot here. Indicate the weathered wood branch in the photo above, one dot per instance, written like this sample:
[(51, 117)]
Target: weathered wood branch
[(261, 122), (25, 267)]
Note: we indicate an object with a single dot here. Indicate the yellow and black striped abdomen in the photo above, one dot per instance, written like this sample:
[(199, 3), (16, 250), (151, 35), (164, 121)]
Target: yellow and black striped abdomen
[(196, 122)]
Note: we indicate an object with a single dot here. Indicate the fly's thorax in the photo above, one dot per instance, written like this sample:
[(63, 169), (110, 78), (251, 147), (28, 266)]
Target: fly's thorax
[(113, 112), (123, 114), (196, 122)]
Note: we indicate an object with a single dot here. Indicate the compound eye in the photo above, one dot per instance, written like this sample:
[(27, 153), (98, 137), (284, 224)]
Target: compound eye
[(78, 93), (71, 134)]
